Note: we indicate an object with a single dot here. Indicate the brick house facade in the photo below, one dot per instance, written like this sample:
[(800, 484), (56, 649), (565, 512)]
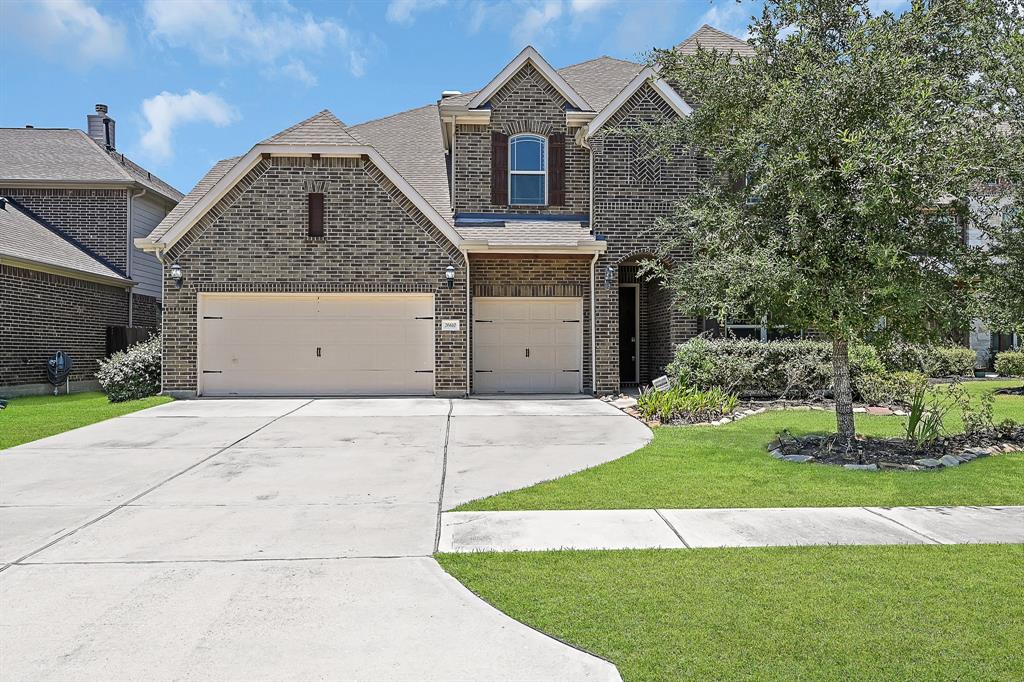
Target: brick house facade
[(71, 205), (526, 295)]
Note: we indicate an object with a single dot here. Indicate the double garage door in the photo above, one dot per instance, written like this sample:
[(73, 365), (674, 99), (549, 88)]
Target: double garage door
[(345, 344), (527, 345)]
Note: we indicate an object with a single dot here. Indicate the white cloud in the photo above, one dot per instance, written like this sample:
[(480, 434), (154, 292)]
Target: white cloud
[(582, 6), (67, 29), (536, 19), (229, 32), (729, 16), (168, 110), (296, 70), (403, 11)]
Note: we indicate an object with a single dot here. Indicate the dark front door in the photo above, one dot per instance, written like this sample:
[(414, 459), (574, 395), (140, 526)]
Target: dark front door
[(627, 335)]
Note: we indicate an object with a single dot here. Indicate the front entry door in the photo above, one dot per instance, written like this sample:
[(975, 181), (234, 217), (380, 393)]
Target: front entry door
[(628, 334)]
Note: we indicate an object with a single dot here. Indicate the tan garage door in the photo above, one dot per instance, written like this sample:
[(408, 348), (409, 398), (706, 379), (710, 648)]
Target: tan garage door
[(527, 345), (270, 344)]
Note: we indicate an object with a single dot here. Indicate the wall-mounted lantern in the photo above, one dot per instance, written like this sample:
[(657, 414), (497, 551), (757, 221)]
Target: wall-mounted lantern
[(449, 275), (176, 275), (609, 275)]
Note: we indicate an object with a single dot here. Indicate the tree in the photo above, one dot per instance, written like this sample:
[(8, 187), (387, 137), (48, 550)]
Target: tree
[(851, 149)]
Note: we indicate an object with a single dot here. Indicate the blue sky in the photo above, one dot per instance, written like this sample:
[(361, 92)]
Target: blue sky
[(193, 81)]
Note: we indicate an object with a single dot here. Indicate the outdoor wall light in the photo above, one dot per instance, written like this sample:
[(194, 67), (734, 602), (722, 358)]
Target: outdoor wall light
[(449, 275), (176, 275), (609, 275)]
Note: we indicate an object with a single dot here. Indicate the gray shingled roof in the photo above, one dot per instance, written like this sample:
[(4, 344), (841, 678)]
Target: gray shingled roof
[(68, 155), (527, 233), (710, 38), (320, 128), (411, 142), (25, 237), (219, 170)]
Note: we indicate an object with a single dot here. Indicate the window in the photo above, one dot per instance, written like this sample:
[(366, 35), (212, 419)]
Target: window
[(527, 170)]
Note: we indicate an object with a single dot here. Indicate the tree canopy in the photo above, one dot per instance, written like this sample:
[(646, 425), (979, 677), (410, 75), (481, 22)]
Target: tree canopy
[(855, 152)]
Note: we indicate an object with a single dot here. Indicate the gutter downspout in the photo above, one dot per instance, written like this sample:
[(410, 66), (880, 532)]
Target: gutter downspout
[(469, 329)]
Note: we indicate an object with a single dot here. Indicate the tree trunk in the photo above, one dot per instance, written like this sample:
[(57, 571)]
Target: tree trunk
[(843, 390)]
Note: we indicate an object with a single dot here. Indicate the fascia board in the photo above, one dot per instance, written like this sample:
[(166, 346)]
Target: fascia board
[(71, 273), (582, 247), (660, 86), (529, 54), (246, 164)]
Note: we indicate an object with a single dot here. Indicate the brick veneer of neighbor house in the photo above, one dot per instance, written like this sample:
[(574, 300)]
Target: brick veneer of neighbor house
[(254, 240), (526, 104), (536, 276), (97, 218), (41, 313), (146, 312), (631, 192)]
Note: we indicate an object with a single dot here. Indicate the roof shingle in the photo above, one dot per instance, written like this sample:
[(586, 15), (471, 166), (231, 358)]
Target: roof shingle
[(26, 237)]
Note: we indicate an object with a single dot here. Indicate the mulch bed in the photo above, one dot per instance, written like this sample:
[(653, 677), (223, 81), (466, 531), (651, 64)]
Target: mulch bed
[(894, 453)]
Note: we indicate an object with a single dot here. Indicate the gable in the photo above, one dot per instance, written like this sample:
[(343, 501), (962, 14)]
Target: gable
[(530, 56), (645, 84)]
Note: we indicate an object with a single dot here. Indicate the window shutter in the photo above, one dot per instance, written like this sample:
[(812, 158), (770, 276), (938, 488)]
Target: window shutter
[(315, 213), (556, 169), (499, 169)]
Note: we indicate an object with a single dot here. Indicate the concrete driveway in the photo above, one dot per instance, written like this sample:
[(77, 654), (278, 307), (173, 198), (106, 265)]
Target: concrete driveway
[(277, 539)]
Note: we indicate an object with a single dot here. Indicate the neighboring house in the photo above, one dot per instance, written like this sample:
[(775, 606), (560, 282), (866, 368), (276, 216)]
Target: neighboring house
[(486, 243), (72, 206)]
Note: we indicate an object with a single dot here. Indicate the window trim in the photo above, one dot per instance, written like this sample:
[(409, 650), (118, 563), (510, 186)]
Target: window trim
[(511, 171)]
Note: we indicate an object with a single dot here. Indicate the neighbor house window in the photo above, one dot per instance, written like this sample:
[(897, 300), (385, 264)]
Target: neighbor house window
[(527, 170)]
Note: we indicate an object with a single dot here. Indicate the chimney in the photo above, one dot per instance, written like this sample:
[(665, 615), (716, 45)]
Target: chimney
[(450, 93), (101, 127)]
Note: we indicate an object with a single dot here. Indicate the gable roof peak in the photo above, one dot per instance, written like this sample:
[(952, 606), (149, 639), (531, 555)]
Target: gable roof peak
[(322, 127), (529, 54), (711, 38)]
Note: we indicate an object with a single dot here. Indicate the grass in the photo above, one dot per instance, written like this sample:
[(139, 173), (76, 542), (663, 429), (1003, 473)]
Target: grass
[(727, 466), (824, 613), (35, 417)]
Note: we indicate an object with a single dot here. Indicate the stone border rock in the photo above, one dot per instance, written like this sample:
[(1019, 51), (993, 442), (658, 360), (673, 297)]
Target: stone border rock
[(924, 464)]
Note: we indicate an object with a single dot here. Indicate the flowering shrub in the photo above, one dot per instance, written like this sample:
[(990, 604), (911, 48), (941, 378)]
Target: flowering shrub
[(133, 373)]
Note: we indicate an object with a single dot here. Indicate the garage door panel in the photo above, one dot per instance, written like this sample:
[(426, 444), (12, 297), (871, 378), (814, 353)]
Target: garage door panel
[(266, 345), (505, 328)]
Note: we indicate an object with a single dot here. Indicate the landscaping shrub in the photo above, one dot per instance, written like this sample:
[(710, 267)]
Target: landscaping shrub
[(1010, 363), (133, 373), (686, 403), (791, 369), (932, 361), (889, 388)]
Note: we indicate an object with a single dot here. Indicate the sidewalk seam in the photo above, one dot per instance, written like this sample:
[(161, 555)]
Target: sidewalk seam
[(904, 526), (444, 473), (673, 528)]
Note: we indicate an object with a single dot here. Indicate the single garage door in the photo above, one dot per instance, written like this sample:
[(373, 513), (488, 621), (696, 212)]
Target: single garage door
[(527, 345), (345, 344)]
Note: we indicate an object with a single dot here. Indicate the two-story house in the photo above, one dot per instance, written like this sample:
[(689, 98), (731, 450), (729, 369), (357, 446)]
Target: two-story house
[(485, 243), (70, 207)]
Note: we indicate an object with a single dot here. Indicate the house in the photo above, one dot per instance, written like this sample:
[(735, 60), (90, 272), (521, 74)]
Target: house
[(486, 243), (70, 207)]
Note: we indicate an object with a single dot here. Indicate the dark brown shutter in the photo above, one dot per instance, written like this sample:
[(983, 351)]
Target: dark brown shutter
[(499, 169), (556, 169), (315, 227)]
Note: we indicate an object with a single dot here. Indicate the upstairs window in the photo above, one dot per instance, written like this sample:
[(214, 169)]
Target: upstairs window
[(527, 170)]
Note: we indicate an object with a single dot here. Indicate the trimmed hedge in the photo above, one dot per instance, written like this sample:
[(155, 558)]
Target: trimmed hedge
[(133, 373), (790, 369), (932, 361), (1010, 363), (889, 388)]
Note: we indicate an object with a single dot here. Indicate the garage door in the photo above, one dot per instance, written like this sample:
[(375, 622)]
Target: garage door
[(269, 344), (527, 345)]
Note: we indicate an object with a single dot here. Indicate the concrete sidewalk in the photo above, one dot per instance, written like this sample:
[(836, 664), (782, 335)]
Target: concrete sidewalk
[(691, 528)]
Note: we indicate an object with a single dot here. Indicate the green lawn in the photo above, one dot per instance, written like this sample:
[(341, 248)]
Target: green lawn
[(819, 613), (32, 418), (728, 466)]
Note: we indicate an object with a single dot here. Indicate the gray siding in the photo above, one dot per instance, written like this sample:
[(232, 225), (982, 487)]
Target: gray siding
[(147, 212)]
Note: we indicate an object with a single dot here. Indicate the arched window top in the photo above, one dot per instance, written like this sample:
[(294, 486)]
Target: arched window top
[(527, 170)]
